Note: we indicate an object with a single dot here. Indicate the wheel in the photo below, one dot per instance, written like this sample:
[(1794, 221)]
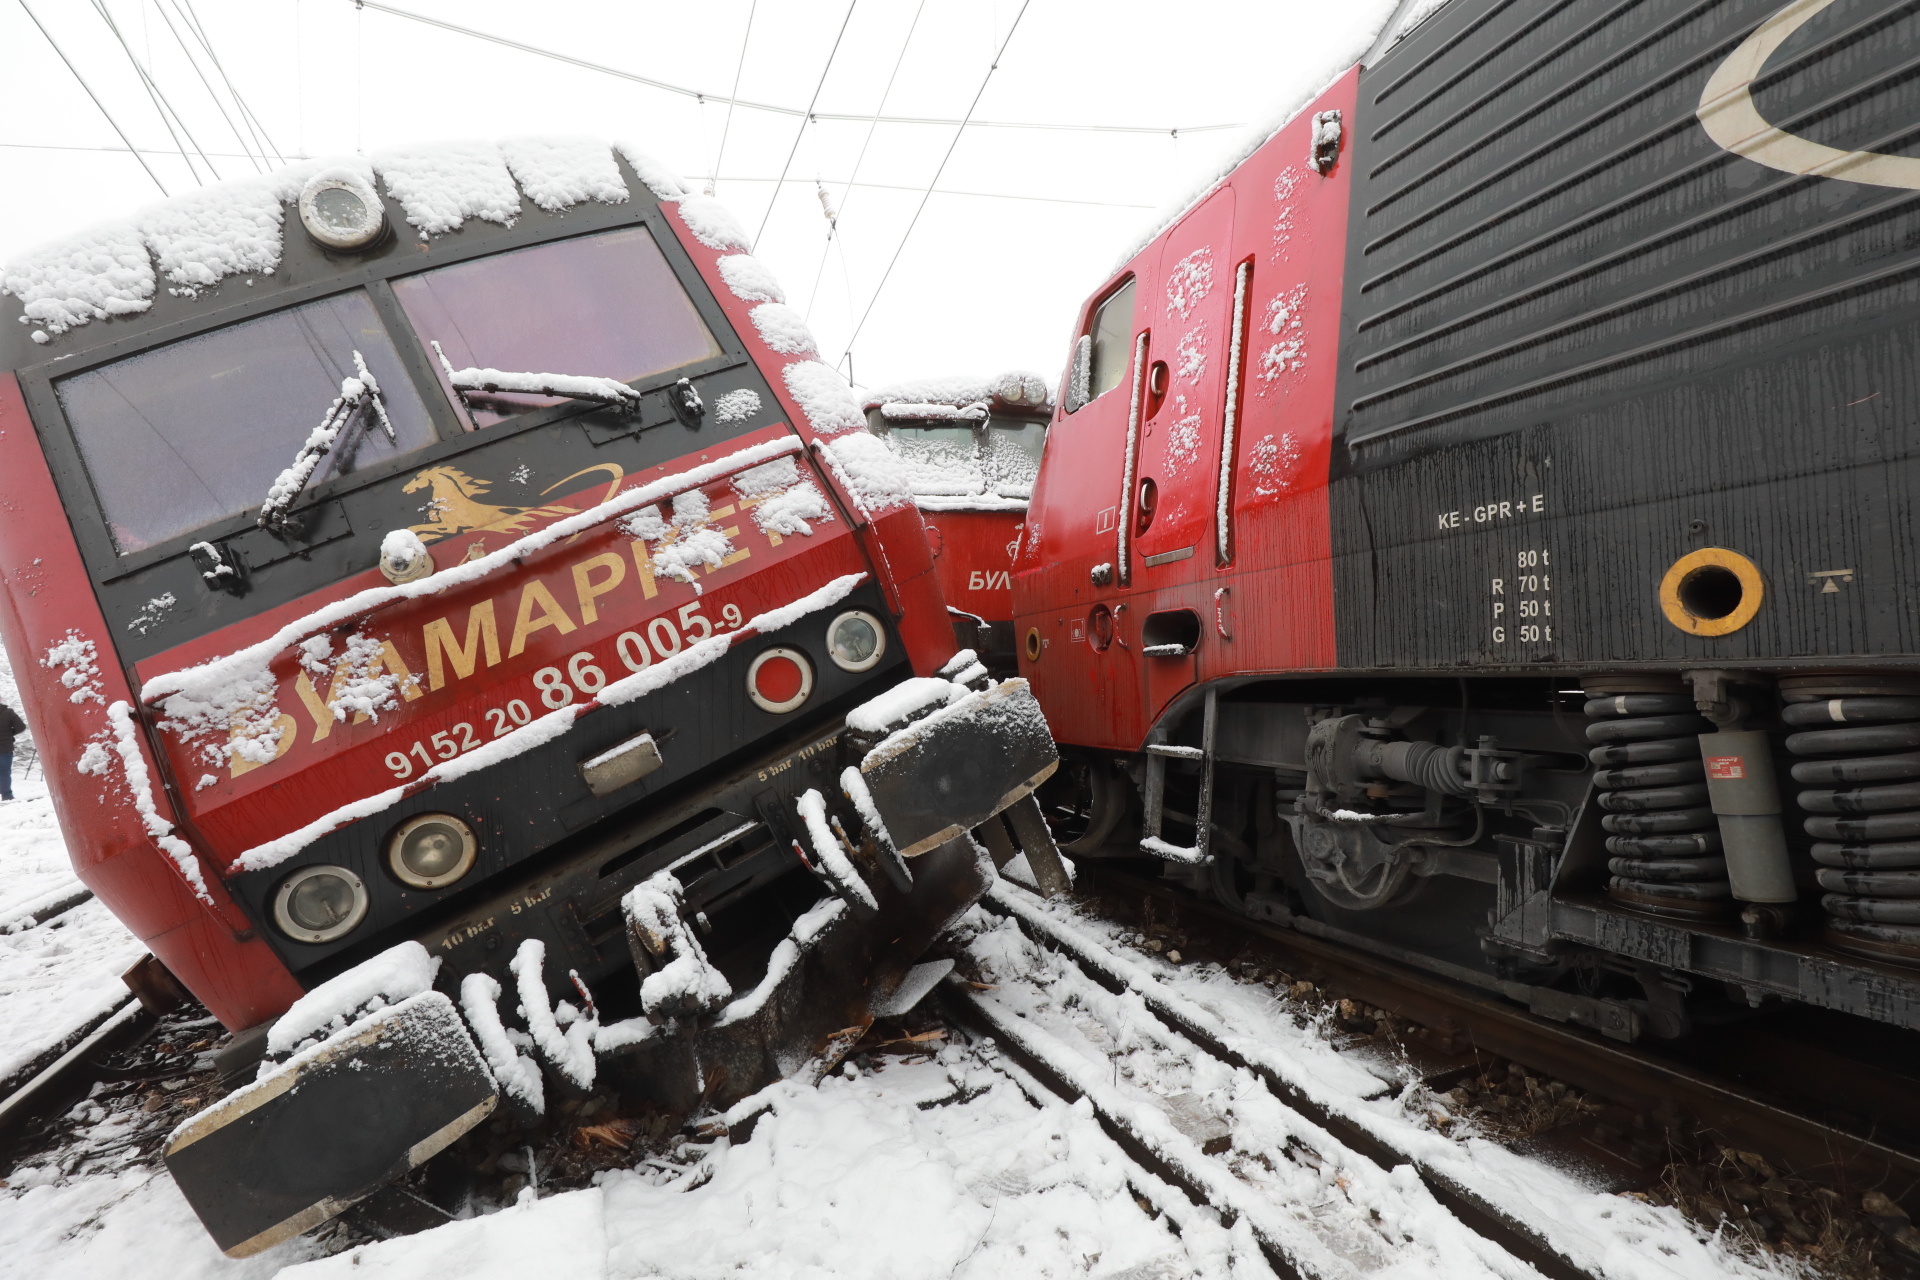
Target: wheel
[(1084, 802)]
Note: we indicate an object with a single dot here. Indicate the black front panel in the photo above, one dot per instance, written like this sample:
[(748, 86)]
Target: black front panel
[(711, 738), (1581, 339)]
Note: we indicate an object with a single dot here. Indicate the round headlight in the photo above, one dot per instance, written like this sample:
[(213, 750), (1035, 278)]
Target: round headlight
[(431, 851), (341, 210), (856, 641), (779, 680), (319, 904)]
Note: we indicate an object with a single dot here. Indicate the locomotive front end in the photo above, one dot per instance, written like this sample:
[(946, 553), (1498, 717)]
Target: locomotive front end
[(488, 655)]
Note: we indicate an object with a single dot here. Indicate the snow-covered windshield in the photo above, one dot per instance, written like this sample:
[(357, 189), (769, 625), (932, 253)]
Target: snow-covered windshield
[(1001, 458), (1011, 455), (598, 306), (186, 434)]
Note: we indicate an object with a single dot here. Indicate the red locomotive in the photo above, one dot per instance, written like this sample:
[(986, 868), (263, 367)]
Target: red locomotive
[(1475, 528), (454, 573), (972, 448)]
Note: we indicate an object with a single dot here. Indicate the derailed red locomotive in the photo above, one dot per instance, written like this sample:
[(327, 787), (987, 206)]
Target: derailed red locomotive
[(470, 582), (1477, 528)]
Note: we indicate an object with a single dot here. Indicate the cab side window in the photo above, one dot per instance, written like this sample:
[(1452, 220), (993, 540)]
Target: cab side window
[(1112, 334)]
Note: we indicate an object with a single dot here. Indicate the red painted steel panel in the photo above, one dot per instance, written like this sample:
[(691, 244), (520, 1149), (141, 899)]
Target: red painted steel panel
[(46, 597), (898, 545), (1269, 608), (973, 556)]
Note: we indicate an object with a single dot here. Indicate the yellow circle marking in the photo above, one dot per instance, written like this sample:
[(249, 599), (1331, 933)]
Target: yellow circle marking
[(1752, 591), (1033, 644)]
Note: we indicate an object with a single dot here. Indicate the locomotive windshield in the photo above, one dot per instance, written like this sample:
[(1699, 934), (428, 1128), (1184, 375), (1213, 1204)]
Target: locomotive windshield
[(192, 432), (1012, 449), (604, 305)]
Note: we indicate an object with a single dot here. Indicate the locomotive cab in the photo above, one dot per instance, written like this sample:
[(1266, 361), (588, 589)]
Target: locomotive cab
[(479, 657), (971, 449)]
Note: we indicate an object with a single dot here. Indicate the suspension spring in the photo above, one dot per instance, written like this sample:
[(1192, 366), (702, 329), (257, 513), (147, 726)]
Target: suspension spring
[(1864, 802), (1662, 835)]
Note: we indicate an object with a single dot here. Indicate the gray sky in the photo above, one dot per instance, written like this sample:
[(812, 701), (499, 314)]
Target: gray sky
[(984, 282)]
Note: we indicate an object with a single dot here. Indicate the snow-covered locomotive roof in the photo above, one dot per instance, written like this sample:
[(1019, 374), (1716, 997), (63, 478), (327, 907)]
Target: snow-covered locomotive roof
[(928, 399), (1361, 39), (192, 241)]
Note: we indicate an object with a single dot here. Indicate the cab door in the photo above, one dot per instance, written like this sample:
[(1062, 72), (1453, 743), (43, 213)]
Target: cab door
[(1190, 313)]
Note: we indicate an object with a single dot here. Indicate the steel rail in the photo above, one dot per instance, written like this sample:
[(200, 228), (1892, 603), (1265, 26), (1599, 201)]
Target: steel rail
[(1632, 1077), (1213, 1037), (122, 1023)]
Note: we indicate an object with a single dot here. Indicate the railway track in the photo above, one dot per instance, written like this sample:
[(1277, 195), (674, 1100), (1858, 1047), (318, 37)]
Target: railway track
[(1333, 1121), (1341, 1151), (1660, 1086), (1643, 1121), (1248, 1142)]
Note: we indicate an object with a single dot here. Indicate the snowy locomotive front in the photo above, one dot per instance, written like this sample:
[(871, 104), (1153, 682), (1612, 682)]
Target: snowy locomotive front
[(482, 651)]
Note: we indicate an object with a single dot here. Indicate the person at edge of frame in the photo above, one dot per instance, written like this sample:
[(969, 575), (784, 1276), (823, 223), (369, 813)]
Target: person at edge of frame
[(11, 726)]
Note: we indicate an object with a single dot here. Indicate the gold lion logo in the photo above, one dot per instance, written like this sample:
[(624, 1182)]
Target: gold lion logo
[(454, 503)]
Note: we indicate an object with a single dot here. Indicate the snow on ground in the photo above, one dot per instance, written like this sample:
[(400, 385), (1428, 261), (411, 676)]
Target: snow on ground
[(34, 867), (1617, 1237), (56, 977), (933, 1169), (126, 1224)]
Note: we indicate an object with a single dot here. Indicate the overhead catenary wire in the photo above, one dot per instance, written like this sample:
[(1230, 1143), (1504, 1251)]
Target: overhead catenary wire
[(751, 105), (847, 355), (833, 216), (805, 119), (161, 103), (218, 105), (262, 139), (96, 98), (696, 177), (738, 67)]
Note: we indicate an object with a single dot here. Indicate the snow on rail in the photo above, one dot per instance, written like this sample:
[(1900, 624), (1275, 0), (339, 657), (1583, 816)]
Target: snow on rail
[(1601, 1234), (63, 975), (551, 725), (1319, 1245)]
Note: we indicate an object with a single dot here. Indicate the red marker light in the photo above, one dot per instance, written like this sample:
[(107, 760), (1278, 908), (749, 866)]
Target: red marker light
[(779, 680)]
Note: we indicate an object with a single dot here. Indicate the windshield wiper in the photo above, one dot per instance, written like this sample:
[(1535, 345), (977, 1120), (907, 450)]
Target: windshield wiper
[(357, 393), (570, 386)]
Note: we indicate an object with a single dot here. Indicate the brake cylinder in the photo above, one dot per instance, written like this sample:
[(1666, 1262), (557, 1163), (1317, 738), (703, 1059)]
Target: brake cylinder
[(1746, 800)]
